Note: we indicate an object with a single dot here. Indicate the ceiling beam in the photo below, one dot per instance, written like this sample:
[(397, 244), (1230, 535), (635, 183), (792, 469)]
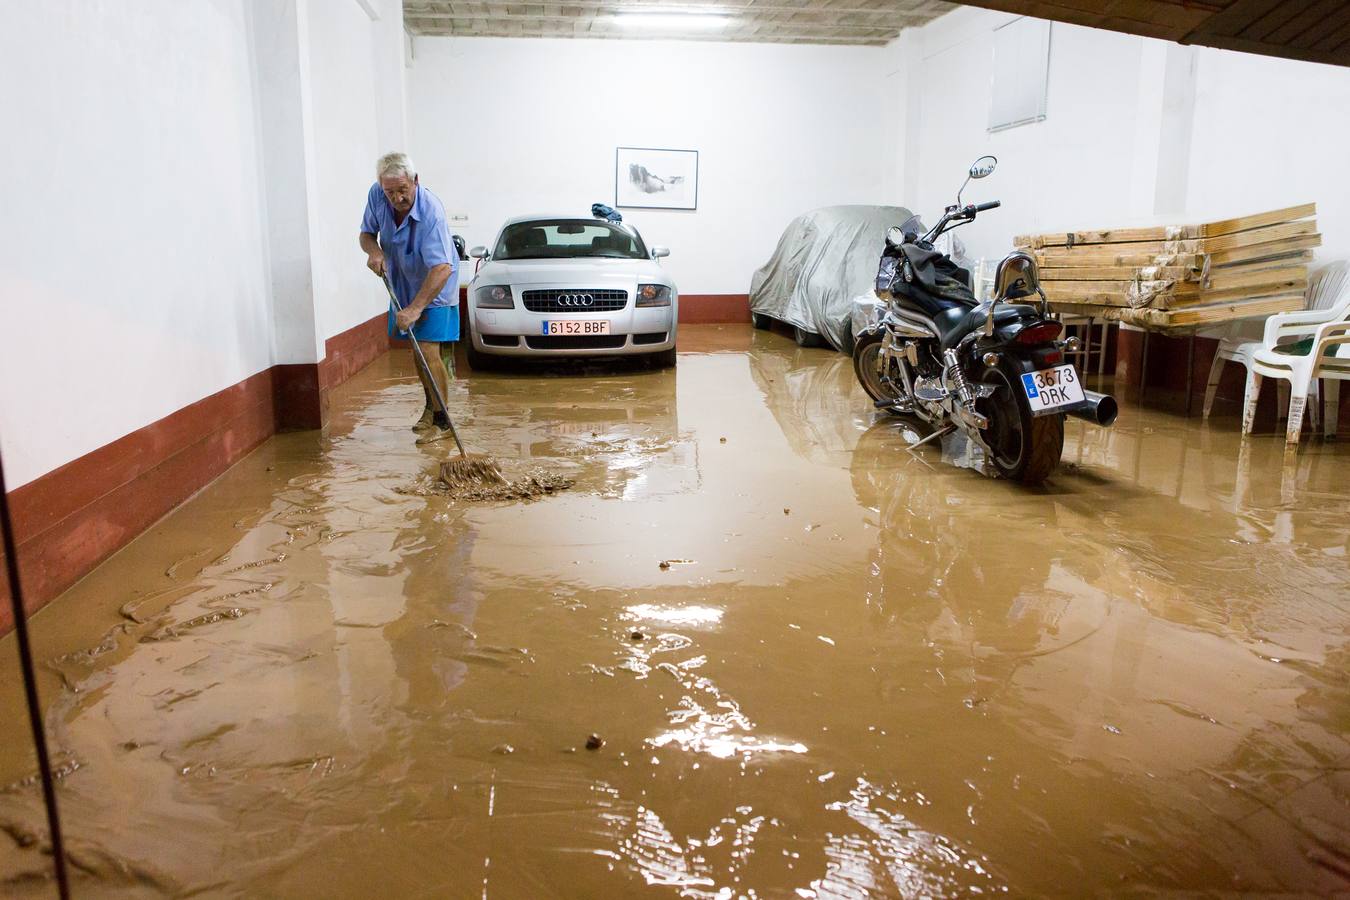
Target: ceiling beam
[(604, 20), (681, 8), (664, 36)]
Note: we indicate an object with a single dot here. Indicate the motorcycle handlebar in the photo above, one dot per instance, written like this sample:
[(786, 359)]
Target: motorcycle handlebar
[(958, 215)]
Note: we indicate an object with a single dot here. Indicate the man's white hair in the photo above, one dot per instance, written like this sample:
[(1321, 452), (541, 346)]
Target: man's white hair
[(392, 165)]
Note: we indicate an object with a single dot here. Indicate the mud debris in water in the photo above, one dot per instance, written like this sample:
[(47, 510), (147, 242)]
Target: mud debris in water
[(172, 631), (532, 486), (22, 835), (59, 773), (594, 742), (637, 636)]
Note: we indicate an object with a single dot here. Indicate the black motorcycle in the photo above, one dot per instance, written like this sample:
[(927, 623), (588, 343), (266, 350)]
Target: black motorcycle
[(993, 369)]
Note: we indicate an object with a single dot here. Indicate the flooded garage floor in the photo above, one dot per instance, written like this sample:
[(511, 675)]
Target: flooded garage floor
[(863, 672)]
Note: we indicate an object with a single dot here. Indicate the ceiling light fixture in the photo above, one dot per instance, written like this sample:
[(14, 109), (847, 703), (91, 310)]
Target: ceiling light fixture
[(698, 10), (670, 20)]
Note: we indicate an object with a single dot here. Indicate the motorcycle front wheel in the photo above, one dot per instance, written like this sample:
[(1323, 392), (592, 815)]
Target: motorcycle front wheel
[(1024, 447), (867, 366)]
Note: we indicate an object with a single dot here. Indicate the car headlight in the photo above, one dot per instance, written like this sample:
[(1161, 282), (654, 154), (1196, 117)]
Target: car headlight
[(494, 296), (653, 295)]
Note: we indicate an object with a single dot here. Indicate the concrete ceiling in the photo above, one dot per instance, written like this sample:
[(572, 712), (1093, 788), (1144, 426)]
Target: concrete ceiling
[(1310, 30), (856, 22)]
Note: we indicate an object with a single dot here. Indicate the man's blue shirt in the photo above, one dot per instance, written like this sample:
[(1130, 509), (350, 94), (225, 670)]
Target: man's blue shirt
[(413, 248)]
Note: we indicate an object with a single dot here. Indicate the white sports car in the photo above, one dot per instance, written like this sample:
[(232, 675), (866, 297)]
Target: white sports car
[(570, 286)]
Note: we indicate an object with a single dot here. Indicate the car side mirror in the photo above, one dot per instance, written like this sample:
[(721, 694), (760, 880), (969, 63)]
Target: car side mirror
[(658, 252), (479, 253)]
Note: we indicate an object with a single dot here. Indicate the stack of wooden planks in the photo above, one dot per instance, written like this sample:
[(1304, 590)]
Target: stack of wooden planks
[(1180, 276)]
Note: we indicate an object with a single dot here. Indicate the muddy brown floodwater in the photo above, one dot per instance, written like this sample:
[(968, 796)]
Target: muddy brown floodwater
[(814, 664)]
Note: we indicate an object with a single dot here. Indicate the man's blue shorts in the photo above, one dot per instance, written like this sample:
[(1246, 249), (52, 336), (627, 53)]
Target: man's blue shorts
[(438, 324)]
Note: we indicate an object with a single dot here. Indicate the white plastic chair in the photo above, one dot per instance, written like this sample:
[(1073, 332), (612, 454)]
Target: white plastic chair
[(1326, 358), (1322, 355), (1328, 300)]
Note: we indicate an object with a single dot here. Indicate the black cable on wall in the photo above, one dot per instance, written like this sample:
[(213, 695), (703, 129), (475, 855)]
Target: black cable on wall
[(30, 690)]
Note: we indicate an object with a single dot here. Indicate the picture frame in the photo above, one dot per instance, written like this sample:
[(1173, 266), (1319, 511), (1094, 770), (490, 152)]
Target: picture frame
[(655, 178)]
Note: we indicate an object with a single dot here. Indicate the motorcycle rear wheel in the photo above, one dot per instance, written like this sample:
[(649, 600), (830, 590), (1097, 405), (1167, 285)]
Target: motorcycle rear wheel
[(1025, 448), (866, 356)]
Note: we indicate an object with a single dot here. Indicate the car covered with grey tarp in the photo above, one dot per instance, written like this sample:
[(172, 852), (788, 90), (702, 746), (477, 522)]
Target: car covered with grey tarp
[(824, 259)]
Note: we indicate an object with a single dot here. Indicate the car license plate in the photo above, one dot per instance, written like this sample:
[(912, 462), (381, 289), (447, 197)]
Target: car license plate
[(575, 326), (1050, 390)]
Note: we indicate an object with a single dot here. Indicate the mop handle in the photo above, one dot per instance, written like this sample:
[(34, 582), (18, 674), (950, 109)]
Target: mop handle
[(417, 349)]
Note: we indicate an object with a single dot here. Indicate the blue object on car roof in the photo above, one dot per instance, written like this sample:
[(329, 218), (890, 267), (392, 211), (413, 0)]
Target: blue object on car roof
[(608, 213)]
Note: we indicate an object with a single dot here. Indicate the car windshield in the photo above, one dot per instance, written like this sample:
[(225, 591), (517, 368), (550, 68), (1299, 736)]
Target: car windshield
[(563, 238)]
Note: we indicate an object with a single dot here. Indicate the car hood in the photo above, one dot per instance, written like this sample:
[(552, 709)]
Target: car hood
[(593, 272)]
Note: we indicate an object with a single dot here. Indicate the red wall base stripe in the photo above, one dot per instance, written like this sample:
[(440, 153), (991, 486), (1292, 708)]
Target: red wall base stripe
[(74, 517), (714, 309)]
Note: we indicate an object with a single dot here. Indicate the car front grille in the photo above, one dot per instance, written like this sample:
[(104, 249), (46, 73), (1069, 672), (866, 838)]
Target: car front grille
[(575, 300), (576, 342)]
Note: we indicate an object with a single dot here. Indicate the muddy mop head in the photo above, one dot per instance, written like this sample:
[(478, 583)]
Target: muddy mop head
[(471, 469)]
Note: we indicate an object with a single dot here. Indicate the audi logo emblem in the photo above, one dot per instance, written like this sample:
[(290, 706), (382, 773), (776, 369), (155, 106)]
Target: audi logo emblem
[(575, 299)]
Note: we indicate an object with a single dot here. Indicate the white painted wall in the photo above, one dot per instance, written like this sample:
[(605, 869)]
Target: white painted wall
[(184, 188), (1270, 133), (1137, 131), (1072, 168), (779, 129), (133, 227), (356, 78)]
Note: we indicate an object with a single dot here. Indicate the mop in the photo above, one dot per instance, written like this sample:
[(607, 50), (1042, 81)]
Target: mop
[(469, 469)]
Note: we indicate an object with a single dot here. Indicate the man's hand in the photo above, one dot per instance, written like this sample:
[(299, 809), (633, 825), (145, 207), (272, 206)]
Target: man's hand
[(375, 262), (405, 318)]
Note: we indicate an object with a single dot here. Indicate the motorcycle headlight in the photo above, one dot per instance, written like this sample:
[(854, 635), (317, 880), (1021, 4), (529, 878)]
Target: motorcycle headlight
[(653, 295), (494, 296)]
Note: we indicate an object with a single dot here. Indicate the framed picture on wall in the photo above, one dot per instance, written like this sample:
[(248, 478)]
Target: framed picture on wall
[(648, 178)]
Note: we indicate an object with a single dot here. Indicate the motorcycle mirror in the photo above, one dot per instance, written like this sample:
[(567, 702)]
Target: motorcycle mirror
[(983, 167), (894, 236), (980, 168)]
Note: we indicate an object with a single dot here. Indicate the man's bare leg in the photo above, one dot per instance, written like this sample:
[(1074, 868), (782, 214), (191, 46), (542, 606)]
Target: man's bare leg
[(429, 409), (432, 352), (429, 405)]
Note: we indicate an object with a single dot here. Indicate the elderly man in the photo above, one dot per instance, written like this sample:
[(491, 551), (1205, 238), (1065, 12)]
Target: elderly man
[(405, 237)]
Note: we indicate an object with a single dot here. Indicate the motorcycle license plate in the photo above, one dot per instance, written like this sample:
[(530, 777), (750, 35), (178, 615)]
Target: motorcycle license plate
[(576, 326), (1050, 390)]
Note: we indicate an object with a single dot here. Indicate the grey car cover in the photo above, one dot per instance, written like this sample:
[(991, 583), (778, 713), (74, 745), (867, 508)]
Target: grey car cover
[(824, 259)]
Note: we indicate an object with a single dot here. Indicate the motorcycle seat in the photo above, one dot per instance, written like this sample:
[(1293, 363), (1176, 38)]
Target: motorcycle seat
[(958, 320), (931, 305)]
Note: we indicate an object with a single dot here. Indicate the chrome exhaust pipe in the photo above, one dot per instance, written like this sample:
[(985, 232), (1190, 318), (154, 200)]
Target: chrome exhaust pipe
[(1099, 409)]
